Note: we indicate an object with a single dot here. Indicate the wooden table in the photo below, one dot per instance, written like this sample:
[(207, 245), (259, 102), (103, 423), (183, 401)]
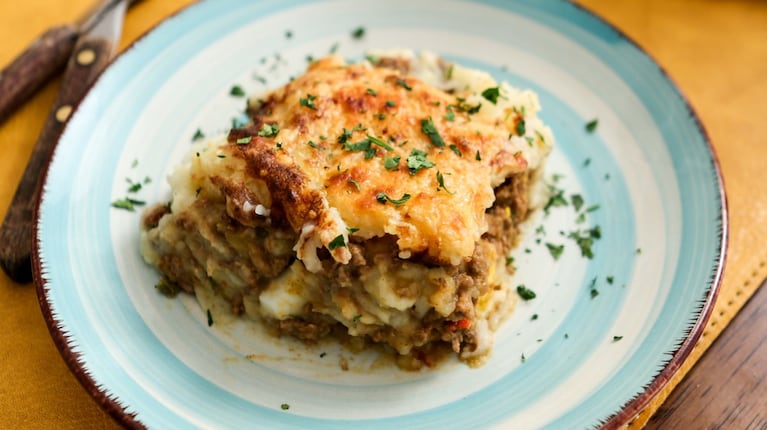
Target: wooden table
[(727, 389)]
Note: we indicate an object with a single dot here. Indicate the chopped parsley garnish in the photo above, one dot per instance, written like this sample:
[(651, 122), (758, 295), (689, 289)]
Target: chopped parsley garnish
[(525, 293), (520, 127), (127, 204), (390, 103), (285, 406), (462, 106), (313, 144), (534, 317), (372, 92), (333, 48), (403, 83), (428, 128), (354, 183), (380, 143), (617, 338), (610, 279), (592, 125), (585, 240), (358, 33), (136, 187), (345, 136), (391, 163), (337, 242), (592, 208), (594, 293), (198, 134), (509, 261), (237, 91), (441, 182), (383, 198), (455, 150), (522, 357), (577, 201), (361, 146), (586, 162), (372, 58), (269, 130), (352, 230), (323, 354), (381, 116), (478, 157), (210, 318), (356, 318), (556, 198), (417, 161), (308, 101), (134, 164), (244, 140), (555, 250), (450, 115), (449, 72), (491, 94), (288, 34)]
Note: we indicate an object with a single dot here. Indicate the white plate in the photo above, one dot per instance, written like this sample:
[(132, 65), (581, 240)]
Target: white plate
[(588, 360)]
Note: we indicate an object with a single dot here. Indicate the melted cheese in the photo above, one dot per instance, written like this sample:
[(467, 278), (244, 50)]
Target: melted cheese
[(338, 126)]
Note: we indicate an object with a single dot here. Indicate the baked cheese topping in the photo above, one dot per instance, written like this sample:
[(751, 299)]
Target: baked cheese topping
[(374, 150)]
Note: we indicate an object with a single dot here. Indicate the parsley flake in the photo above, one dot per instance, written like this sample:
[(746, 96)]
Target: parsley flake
[(237, 91), (403, 83), (244, 140), (441, 182), (525, 293), (198, 134), (337, 242), (390, 103), (284, 406), (577, 201), (391, 163), (269, 130), (555, 250), (455, 150), (210, 318), (491, 94), (428, 128), (383, 198), (417, 161), (617, 338), (450, 115), (520, 127), (308, 101), (591, 126), (358, 33), (372, 92)]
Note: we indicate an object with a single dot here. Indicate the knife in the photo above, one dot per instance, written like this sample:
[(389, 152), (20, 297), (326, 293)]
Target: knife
[(95, 46)]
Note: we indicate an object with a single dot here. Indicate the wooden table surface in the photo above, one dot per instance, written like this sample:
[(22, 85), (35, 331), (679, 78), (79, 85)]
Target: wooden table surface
[(727, 389)]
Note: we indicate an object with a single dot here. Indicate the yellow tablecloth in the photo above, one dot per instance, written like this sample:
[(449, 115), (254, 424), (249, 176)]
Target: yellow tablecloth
[(716, 51)]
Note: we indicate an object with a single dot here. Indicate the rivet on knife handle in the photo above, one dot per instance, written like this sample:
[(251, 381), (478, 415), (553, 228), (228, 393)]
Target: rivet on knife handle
[(46, 56), (88, 59)]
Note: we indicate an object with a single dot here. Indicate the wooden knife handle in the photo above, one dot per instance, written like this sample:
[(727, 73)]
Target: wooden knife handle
[(88, 59), (44, 57)]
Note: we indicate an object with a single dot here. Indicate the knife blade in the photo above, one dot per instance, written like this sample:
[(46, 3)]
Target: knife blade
[(94, 48)]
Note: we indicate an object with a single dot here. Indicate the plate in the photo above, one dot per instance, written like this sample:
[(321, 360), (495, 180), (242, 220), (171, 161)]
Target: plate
[(603, 335)]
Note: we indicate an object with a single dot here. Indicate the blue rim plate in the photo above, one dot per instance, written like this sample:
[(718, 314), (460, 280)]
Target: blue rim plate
[(604, 334)]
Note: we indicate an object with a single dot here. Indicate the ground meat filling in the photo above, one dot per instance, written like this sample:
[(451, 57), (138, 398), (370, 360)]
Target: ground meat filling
[(239, 256)]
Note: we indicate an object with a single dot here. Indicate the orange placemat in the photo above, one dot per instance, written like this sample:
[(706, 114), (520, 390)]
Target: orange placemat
[(723, 78)]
